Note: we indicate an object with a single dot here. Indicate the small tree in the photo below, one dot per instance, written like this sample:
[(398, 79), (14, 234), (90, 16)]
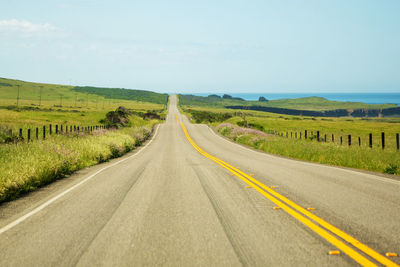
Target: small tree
[(225, 96), (262, 99)]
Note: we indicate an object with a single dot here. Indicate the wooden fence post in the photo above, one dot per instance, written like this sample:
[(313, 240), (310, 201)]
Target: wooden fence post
[(29, 135), (333, 138), (44, 132), (50, 129), (20, 132), (318, 136), (349, 139), (383, 140), (370, 140), (37, 133), (325, 138), (341, 140), (56, 128), (397, 141), (305, 134), (359, 141)]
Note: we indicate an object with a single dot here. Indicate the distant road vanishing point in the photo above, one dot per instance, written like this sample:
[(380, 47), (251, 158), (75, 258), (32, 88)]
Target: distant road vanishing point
[(192, 198)]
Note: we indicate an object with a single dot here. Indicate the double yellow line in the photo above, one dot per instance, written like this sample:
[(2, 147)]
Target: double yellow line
[(318, 225)]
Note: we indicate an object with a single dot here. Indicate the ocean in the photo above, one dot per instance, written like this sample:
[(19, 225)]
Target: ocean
[(370, 98)]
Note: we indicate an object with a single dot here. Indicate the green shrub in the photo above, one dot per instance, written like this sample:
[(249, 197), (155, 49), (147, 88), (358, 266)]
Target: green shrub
[(391, 169), (208, 117)]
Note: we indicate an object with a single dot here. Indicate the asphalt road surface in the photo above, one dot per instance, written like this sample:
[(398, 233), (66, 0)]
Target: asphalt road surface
[(197, 199)]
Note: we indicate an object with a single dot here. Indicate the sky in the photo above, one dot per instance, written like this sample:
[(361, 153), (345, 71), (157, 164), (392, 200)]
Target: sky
[(278, 46)]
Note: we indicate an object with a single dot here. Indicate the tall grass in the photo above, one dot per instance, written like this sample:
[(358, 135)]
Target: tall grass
[(27, 166), (339, 127), (327, 153)]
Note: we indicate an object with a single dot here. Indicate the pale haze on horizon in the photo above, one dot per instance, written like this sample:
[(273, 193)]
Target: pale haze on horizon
[(205, 46)]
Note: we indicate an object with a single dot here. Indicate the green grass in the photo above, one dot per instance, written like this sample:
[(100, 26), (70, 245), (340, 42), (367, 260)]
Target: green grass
[(306, 103), (332, 153), (27, 166), (375, 159), (126, 94), (339, 127), (75, 108), (70, 98), (270, 122)]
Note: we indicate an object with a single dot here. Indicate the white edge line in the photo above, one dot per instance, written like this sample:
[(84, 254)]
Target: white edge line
[(52, 200), (313, 164)]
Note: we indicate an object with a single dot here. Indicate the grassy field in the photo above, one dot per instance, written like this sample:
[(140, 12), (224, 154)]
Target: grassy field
[(338, 127), (124, 94), (27, 166), (375, 159), (43, 104), (306, 103), (61, 97), (270, 122), (263, 132)]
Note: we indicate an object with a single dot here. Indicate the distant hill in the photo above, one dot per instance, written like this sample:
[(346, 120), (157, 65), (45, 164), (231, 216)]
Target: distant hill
[(305, 103), (126, 94), (32, 93)]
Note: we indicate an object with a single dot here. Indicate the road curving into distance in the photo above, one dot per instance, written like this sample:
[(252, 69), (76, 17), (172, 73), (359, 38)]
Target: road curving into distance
[(192, 198)]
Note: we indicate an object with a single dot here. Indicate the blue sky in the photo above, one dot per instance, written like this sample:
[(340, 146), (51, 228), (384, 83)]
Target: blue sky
[(205, 46)]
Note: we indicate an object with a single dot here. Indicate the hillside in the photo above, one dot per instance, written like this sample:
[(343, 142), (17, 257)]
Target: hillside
[(126, 94), (54, 95), (306, 103)]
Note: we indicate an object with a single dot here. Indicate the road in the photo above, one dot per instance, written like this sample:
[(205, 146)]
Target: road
[(201, 200)]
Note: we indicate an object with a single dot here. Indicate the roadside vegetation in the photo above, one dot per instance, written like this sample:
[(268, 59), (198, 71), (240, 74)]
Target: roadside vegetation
[(284, 135), (43, 104), (375, 159), (25, 166)]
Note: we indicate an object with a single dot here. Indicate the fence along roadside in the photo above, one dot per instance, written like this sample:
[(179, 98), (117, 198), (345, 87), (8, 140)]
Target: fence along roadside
[(26, 135), (317, 136)]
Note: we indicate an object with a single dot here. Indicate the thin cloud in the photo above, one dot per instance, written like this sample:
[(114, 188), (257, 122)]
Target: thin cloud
[(26, 28)]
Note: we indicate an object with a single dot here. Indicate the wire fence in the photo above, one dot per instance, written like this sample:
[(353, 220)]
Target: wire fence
[(43, 132), (383, 141)]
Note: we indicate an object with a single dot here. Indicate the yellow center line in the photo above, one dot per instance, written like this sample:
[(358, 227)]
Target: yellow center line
[(279, 200), (177, 121)]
